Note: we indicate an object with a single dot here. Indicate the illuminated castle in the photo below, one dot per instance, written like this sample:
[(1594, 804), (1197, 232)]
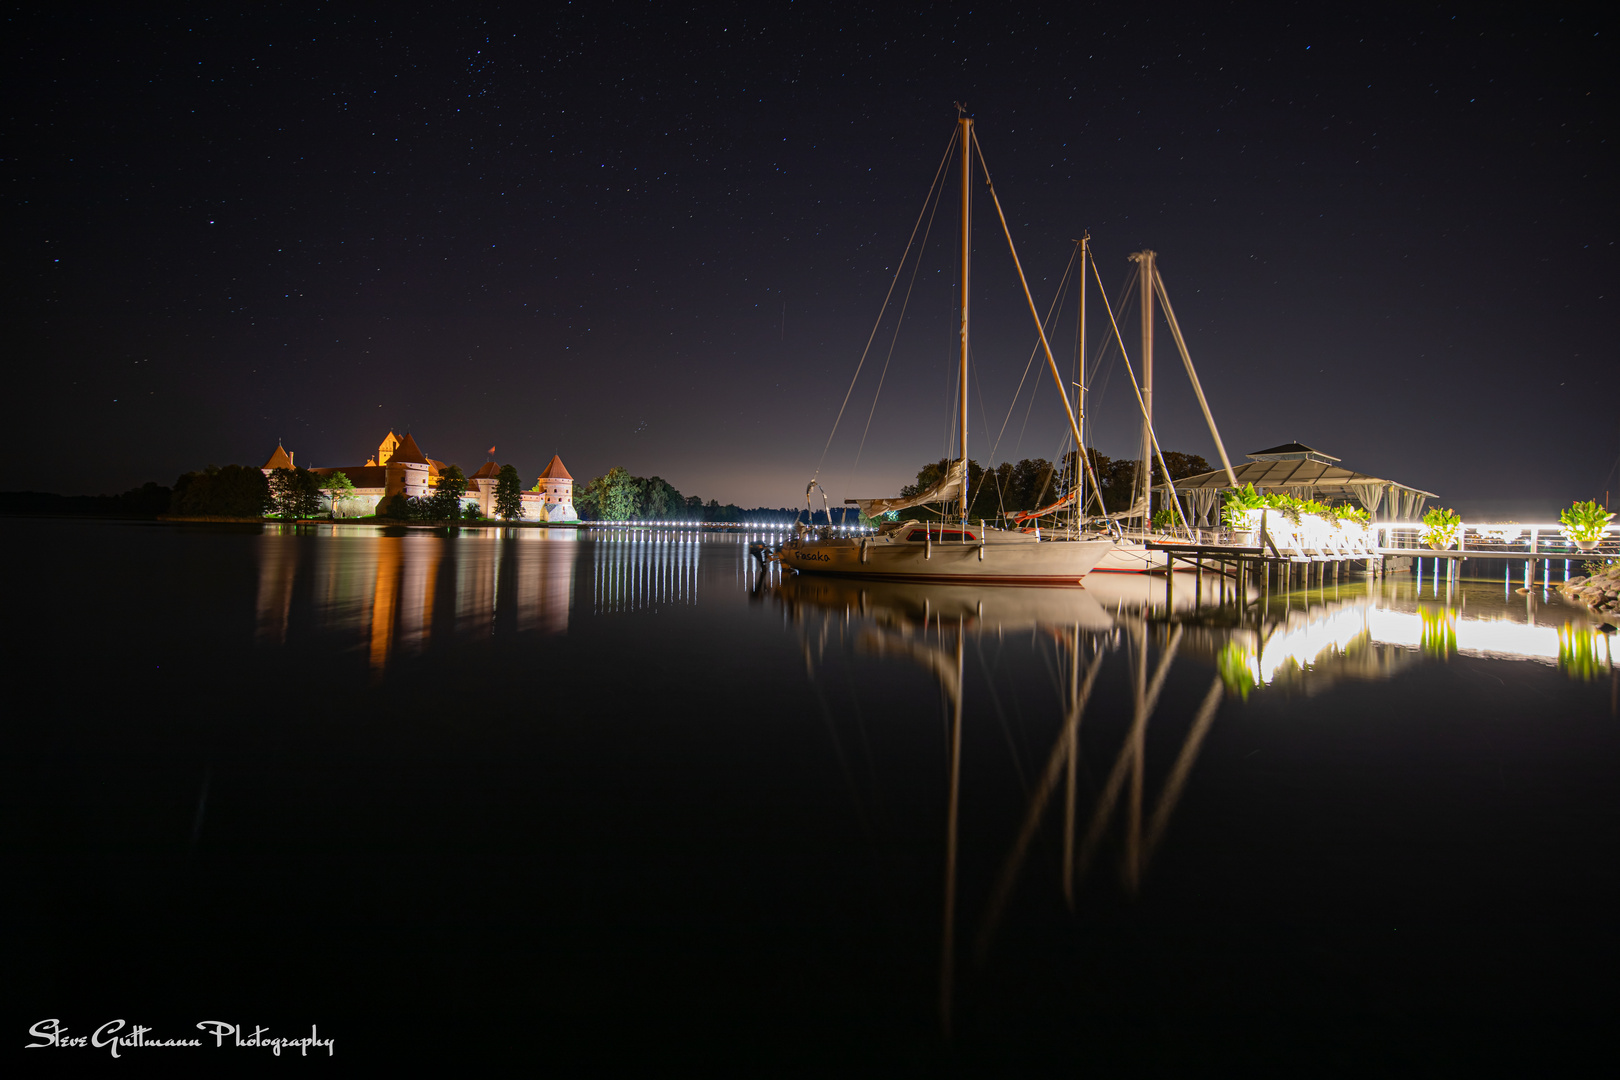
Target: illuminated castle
[(400, 468)]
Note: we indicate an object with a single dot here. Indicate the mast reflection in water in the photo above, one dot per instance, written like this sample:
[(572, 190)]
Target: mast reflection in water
[(1311, 640), (620, 795)]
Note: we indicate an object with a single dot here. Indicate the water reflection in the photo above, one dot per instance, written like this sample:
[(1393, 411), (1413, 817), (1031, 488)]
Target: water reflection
[(1306, 638), (390, 592), (929, 626), (642, 568), (1583, 653)]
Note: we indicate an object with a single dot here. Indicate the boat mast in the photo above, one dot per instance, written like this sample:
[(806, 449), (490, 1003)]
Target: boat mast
[(1145, 273), (965, 138), (1078, 514)]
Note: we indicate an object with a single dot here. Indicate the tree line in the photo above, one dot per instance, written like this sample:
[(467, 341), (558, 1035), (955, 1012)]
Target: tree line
[(241, 491), (619, 496), (1035, 482)]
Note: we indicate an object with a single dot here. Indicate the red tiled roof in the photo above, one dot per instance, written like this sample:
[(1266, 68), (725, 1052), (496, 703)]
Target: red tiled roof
[(279, 459), (554, 470), (488, 470), (409, 451)]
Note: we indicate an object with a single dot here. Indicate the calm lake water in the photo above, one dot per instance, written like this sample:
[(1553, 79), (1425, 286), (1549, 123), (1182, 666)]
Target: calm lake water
[(586, 799)]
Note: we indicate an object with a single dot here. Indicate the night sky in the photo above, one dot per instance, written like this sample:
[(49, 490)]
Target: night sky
[(653, 236)]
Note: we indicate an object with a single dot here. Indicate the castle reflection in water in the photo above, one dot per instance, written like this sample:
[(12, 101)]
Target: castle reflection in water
[(394, 591)]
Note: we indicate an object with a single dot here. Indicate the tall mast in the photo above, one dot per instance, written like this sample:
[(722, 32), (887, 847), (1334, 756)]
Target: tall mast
[(1145, 272), (965, 137), (1080, 391)]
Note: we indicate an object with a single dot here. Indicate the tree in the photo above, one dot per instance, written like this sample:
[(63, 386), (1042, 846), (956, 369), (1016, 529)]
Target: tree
[(398, 508), (295, 493), (658, 500), (1183, 465), (339, 487), (445, 502), (234, 491), (613, 497), (508, 493)]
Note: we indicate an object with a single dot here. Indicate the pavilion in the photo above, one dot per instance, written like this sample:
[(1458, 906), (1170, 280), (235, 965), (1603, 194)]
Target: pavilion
[(1304, 473)]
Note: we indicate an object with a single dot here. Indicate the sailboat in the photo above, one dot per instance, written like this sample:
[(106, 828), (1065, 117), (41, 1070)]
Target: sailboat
[(960, 551), (1131, 553)]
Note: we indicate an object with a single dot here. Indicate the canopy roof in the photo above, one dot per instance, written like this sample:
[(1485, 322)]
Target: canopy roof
[(1297, 470), (1285, 473), (1291, 451)]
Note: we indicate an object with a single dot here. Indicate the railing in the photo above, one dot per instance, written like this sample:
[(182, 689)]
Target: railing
[(750, 526), (1495, 540)]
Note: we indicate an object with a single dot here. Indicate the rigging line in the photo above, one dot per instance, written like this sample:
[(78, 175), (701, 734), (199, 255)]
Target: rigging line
[(898, 270), (989, 468), (1151, 434), (1053, 312), (915, 266), (1192, 373), (1012, 248), (1057, 308), (1030, 408)]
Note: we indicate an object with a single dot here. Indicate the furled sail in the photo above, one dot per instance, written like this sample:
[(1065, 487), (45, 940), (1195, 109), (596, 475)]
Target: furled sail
[(1026, 515), (949, 487)]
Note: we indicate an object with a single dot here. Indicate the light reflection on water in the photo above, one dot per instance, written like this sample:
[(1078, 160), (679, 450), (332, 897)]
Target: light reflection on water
[(383, 591), (1310, 639), (995, 793)]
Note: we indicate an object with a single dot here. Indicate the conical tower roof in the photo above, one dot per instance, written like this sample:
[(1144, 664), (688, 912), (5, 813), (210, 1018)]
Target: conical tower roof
[(279, 460), (554, 470), (409, 451), (487, 470)]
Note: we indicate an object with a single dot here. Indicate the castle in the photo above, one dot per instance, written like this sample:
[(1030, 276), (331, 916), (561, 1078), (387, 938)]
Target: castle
[(400, 468)]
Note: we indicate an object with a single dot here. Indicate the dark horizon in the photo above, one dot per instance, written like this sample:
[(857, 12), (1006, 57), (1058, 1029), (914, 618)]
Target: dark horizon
[(656, 238)]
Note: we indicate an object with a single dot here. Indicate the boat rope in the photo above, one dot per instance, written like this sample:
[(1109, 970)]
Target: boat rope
[(1054, 310), (1192, 374), (1074, 427), (938, 192), (1152, 435), (886, 296)]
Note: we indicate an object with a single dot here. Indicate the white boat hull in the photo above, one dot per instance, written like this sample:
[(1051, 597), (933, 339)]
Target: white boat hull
[(1049, 563), (1131, 557)]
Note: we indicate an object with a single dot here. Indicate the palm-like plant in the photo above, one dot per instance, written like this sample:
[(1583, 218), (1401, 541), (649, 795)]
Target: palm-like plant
[(1239, 501), (1585, 521), (1440, 528)]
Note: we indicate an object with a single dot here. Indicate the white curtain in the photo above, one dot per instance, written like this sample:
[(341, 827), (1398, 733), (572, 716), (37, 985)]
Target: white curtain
[(1370, 495)]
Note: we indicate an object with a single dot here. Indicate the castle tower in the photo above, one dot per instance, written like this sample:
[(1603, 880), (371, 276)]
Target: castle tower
[(278, 460), (388, 447), (556, 488), (407, 467)]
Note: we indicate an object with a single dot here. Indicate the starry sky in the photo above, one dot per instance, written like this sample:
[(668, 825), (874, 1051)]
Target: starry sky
[(659, 236)]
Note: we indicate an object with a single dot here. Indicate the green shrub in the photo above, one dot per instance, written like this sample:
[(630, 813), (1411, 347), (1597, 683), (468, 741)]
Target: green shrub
[(1585, 521), (1440, 527), (1238, 503)]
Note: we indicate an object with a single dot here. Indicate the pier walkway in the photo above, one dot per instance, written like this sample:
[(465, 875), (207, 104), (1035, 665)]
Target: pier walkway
[(1536, 545)]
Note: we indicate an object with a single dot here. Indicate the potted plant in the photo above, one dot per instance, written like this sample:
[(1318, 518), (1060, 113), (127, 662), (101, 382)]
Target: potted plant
[(1440, 528), (1240, 513), (1351, 515), (1584, 523)]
